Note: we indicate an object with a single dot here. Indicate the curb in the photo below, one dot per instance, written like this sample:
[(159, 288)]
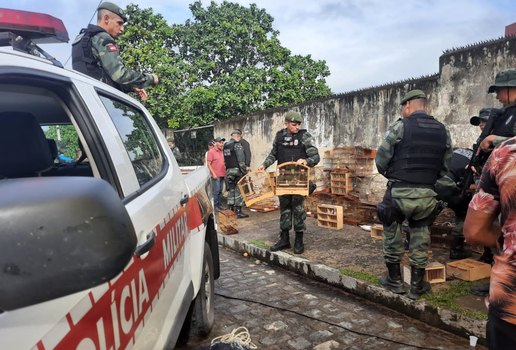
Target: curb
[(435, 316)]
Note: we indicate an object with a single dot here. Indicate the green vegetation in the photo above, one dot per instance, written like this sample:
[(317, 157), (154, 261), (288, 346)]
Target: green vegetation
[(360, 275), (259, 244), (225, 61), (66, 139), (447, 298)]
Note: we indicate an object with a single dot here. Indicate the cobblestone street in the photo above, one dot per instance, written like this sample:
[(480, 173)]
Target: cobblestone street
[(332, 319)]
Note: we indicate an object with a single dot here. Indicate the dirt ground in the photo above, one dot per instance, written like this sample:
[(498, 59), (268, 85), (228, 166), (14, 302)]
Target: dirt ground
[(351, 247)]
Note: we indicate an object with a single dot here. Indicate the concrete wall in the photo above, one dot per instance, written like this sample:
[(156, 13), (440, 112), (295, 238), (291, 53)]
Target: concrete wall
[(360, 118)]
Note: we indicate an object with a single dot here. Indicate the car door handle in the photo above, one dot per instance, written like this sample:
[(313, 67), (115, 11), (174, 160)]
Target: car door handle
[(184, 200), (147, 245)]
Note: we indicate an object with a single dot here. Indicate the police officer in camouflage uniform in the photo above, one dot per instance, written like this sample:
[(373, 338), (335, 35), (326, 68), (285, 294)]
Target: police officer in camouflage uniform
[(448, 188), (236, 167), (95, 53), (292, 144), (505, 123), (175, 150), (413, 155), (504, 127)]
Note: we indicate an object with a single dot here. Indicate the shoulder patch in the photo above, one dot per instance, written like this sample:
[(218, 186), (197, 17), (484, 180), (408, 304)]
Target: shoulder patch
[(105, 38), (111, 47)]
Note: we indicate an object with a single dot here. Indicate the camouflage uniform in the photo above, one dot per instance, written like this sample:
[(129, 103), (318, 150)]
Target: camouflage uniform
[(105, 49), (292, 207), (505, 123), (233, 175), (107, 65), (415, 204)]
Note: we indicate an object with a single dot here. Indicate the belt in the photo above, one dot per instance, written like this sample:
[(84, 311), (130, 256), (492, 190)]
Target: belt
[(397, 184)]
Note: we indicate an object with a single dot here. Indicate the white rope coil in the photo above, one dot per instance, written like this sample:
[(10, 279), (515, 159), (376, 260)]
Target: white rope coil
[(238, 335)]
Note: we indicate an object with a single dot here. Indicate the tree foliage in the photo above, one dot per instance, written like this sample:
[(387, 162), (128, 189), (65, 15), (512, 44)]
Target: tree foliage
[(66, 139), (223, 62)]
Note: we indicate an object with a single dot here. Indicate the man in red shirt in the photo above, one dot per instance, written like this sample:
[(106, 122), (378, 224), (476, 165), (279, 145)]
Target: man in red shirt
[(217, 169), (496, 194)]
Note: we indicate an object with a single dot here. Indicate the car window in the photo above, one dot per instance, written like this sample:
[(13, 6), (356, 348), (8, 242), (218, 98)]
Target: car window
[(139, 140), (63, 141)]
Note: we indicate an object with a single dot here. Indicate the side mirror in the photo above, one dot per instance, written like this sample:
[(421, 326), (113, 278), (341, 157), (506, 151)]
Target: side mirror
[(60, 235)]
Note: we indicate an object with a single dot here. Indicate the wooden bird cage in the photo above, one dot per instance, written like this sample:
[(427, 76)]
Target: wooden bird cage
[(340, 182), (228, 222), (292, 178), (256, 187), (435, 272), (330, 216)]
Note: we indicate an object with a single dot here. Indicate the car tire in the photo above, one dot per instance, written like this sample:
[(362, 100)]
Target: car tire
[(203, 312)]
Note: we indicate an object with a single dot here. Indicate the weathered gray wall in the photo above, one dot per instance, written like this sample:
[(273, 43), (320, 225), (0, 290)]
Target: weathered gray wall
[(360, 118)]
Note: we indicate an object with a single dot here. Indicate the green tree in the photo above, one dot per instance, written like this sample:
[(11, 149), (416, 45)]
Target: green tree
[(145, 45), (66, 139), (223, 62)]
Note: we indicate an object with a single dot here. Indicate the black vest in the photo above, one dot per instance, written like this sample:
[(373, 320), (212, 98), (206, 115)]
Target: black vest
[(290, 146), (418, 156), (230, 158), (83, 60), (504, 122)]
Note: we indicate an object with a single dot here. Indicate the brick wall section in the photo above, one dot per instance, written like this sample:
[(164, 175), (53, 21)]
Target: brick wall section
[(510, 30)]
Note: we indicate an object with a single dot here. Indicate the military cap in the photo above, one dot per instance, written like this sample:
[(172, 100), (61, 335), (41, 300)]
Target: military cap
[(236, 131), (412, 94), (483, 115), (293, 116), (113, 8), (505, 78)]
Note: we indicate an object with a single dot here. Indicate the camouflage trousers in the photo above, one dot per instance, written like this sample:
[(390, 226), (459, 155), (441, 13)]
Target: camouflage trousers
[(235, 198), (292, 212), (413, 209), (457, 230)]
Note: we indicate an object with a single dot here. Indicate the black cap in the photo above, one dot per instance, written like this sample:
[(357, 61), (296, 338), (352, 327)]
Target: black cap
[(113, 8), (476, 120), (219, 139), (483, 115)]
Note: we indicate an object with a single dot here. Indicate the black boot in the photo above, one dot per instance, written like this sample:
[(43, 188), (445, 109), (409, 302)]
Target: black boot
[(299, 247), (418, 286), (457, 249), (480, 290), (487, 256), (392, 281), (283, 243), (239, 213)]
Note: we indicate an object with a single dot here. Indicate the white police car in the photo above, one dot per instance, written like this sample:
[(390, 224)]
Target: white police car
[(117, 250)]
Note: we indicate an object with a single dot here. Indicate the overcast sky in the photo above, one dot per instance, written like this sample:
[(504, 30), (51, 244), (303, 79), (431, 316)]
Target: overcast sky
[(364, 42)]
